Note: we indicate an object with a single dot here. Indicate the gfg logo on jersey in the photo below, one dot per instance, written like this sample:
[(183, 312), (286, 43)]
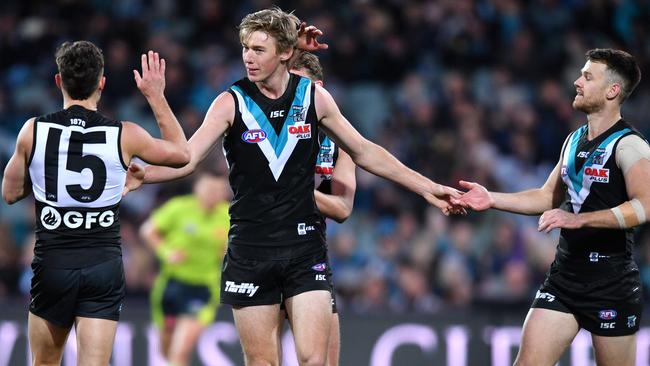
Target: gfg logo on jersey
[(607, 314), (253, 136), (301, 130), (597, 175), (51, 219)]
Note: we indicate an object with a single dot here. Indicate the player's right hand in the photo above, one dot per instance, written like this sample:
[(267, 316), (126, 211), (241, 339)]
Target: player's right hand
[(152, 81), (477, 197), (134, 178)]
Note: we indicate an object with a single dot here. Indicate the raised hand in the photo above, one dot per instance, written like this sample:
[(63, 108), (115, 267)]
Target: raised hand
[(152, 81), (477, 197), (307, 38), (134, 178)]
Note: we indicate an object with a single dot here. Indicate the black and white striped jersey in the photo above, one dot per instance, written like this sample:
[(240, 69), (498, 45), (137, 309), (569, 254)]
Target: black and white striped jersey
[(77, 174)]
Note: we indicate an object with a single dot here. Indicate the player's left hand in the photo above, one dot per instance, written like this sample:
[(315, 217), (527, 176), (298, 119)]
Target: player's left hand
[(557, 218), (307, 38)]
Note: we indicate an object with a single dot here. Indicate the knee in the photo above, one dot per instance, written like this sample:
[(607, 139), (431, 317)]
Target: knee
[(314, 360)]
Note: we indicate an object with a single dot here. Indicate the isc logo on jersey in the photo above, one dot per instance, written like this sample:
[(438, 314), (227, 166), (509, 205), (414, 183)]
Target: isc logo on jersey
[(597, 175), (51, 219), (253, 136), (301, 130)]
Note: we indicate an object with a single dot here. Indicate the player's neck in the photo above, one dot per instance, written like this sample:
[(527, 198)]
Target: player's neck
[(90, 103), (602, 120), (276, 84)]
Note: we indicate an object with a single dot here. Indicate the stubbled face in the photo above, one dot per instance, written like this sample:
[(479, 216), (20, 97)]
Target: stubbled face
[(260, 56), (591, 88)]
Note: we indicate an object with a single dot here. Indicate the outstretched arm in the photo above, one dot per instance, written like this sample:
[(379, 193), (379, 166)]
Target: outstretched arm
[(16, 181), (338, 205), (216, 122), (530, 202), (375, 159)]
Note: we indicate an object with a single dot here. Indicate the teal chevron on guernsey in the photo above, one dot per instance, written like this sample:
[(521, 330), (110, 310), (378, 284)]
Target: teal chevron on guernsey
[(580, 187), (277, 148)]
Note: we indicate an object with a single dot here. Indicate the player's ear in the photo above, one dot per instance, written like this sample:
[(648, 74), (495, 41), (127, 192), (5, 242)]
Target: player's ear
[(102, 83), (58, 81), (613, 91), (286, 54)]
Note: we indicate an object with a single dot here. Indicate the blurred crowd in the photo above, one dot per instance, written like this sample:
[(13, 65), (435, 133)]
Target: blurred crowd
[(456, 89)]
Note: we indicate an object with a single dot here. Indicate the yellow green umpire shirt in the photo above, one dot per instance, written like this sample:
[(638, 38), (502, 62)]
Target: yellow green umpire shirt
[(201, 235)]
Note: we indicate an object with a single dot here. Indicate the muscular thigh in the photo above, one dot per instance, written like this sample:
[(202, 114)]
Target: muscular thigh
[(538, 348), (615, 351)]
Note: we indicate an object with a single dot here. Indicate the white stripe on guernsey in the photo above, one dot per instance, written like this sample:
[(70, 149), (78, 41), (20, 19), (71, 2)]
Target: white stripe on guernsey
[(578, 198), (276, 164)]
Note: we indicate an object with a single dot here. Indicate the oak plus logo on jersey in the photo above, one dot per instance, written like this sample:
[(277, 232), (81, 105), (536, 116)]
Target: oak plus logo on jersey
[(325, 171), (597, 175), (253, 136), (51, 219), (301, 130)]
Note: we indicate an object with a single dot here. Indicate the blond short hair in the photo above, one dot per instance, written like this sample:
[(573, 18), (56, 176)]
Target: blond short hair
[(282, 26)]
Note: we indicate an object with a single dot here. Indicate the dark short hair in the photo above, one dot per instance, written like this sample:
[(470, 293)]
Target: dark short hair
[(620, 63), (80, 64), (309, 62)]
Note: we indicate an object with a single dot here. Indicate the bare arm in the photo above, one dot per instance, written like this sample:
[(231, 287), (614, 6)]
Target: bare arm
[(374, 158), (172, 150), (216, 122), (626, 215), (16, 181), (338, 205), (530, 202)]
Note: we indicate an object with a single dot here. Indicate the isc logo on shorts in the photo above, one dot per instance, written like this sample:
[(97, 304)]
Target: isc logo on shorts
[(51, 219)]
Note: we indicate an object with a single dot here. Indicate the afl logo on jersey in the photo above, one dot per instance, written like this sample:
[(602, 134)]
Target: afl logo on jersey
[(253, 136), (50, 218)]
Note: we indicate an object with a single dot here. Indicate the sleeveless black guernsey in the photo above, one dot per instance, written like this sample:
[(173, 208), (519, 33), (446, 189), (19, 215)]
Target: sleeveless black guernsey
[(77, 175), (271, 151), (594, 182)]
